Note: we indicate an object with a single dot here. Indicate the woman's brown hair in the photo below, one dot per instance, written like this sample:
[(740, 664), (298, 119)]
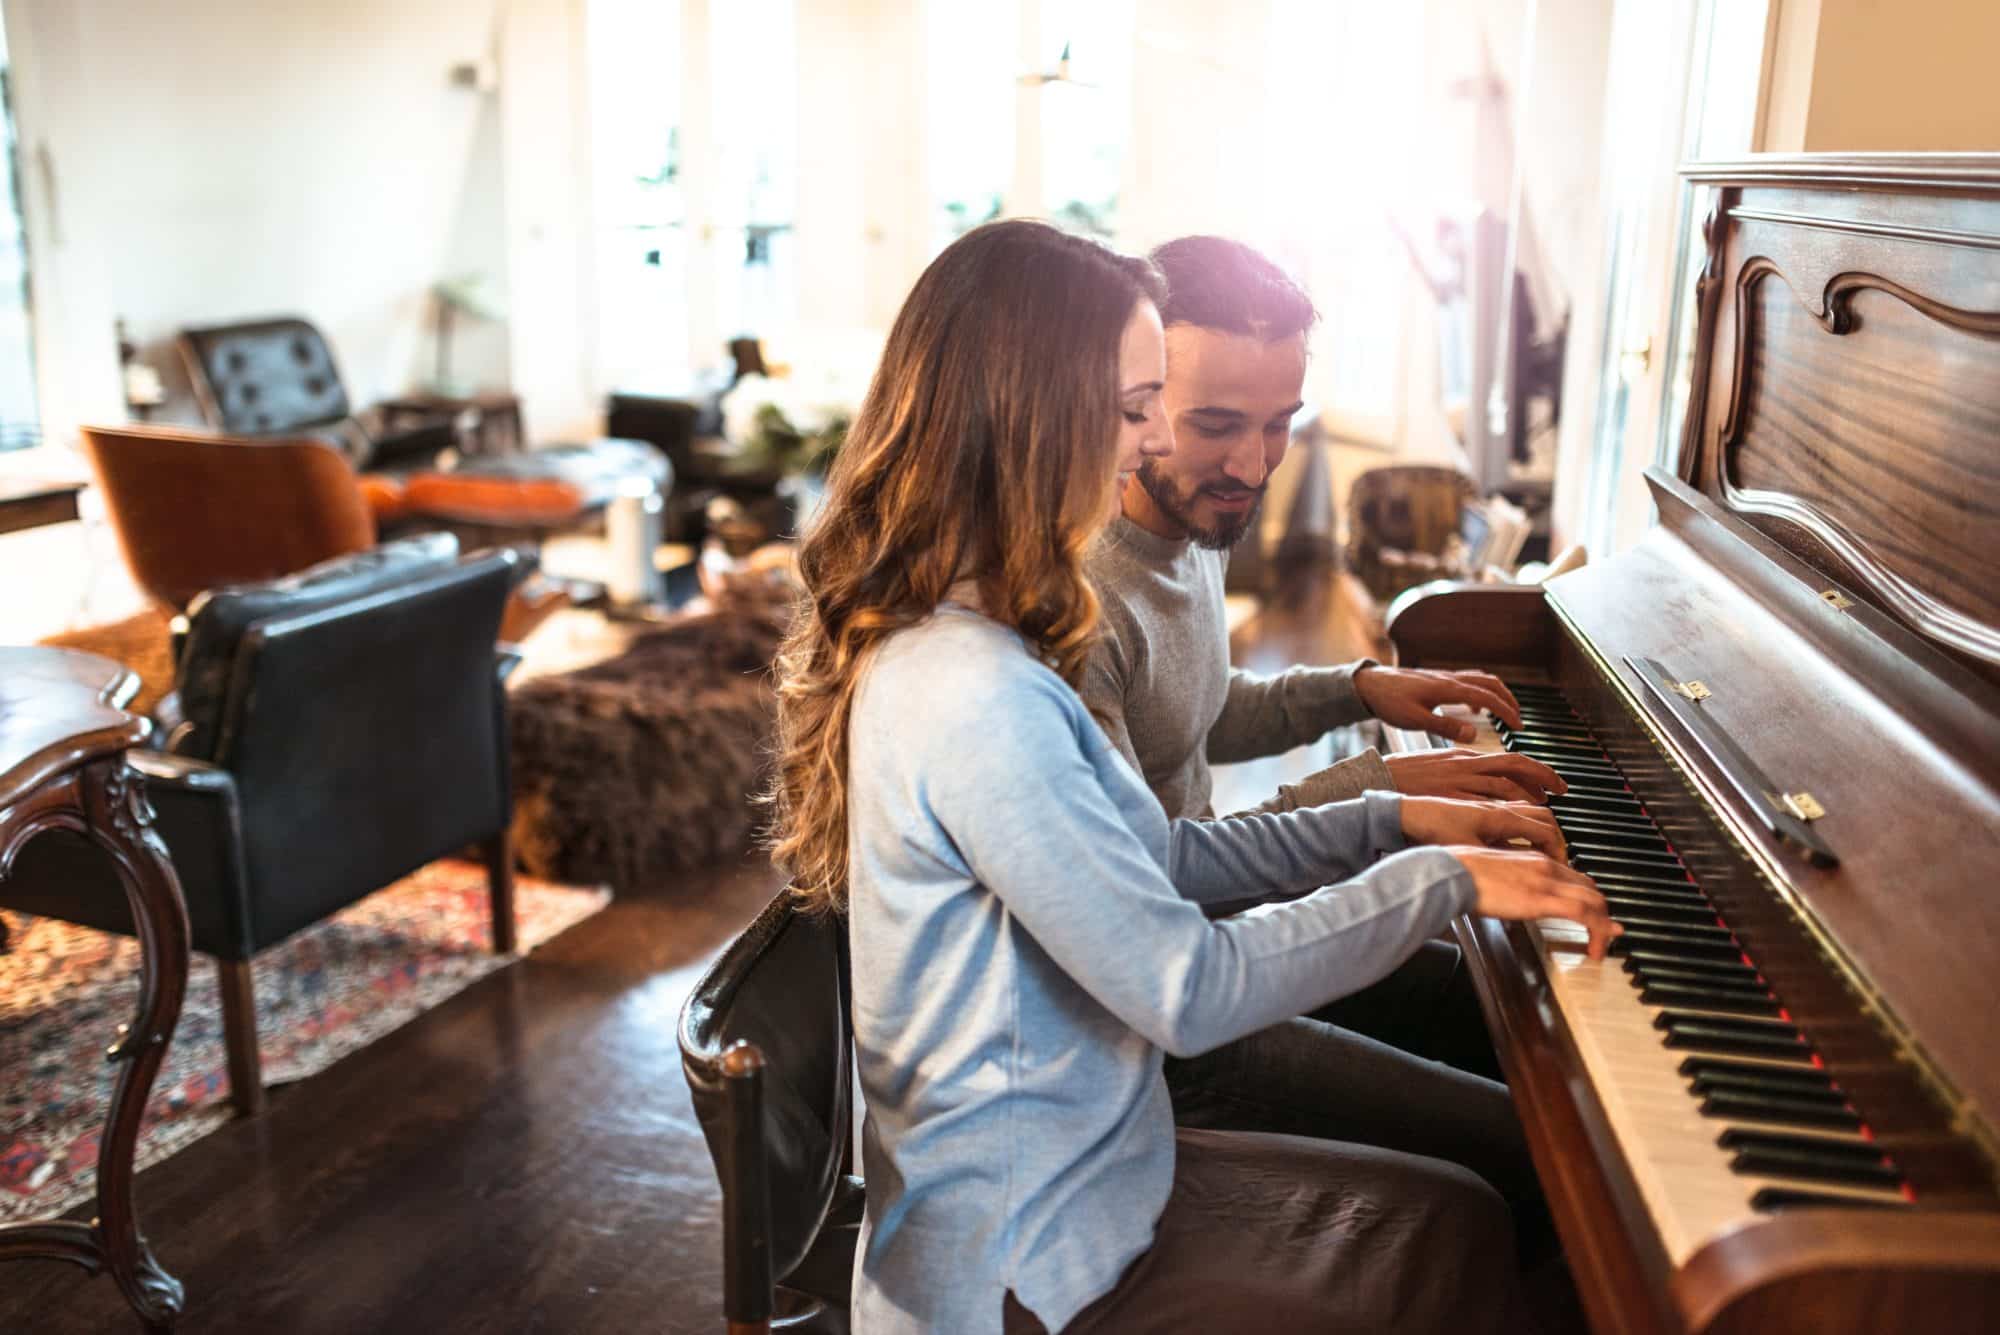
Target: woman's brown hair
[(982, 452)]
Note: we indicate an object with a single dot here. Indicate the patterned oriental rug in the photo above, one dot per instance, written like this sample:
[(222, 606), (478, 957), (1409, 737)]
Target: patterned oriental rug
[(327, 991)]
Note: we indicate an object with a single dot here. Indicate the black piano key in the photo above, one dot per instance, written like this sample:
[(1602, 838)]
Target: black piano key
[(1632, 861), (1794, 1078), (1732, 1105), (1667, 1019), (1686, 908), (1584, 772), (1610, 876), (1636, 834), (1582, 747), (1535, 719), (1806, 1163), (1747, 985), (1708, 999), (1583, 754), (1785, 1142), (1801, 1096), (1586, 858), (1639, 960), (1662, 882), (1773, 1199), (1659, 909), (1703, 932), (1586, 784), (1670, 945), (1713, 1033), (1660, 857), (1730, 1033), (1545, 718), (1599, 803)]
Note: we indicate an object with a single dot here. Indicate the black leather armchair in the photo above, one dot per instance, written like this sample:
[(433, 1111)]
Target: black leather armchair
[(278, 378), (767, 1047), (338, 729)]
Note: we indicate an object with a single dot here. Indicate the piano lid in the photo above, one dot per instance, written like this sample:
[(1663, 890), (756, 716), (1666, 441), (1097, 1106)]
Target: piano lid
[(1846, 388), (1828, 566)]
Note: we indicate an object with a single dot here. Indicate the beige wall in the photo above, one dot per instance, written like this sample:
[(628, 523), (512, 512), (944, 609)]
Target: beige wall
[(233, 158), (1884, 76)]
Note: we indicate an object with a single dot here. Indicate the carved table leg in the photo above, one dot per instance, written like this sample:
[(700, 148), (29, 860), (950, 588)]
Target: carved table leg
[(104, 802)]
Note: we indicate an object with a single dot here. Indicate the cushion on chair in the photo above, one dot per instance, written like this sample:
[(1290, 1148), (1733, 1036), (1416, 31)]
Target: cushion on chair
[(598, 469), (387, 497), (218, 619), (265, 376), (529, 502)]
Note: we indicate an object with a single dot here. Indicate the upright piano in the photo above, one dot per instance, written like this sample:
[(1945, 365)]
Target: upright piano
[(1774, 1107)]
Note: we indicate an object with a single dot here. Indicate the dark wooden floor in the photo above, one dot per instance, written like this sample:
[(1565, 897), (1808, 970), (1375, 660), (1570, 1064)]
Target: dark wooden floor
[(522, 1159)]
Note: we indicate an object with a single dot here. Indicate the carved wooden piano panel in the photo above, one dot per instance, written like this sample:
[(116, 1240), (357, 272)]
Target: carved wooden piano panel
[(1779, 714)]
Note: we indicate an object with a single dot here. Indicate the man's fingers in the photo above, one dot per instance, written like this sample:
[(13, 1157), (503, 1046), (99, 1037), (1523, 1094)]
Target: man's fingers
[(1499, 688), (1475, 696), (1506, 706)]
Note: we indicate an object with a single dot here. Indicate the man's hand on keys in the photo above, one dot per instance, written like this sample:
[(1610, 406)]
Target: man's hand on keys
[(1409, 697)]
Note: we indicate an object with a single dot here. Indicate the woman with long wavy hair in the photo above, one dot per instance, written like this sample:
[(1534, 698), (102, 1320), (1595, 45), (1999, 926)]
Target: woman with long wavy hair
[(1026, 925)]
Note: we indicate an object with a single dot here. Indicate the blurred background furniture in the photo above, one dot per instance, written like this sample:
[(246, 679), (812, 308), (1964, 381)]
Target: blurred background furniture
[(331, 732), (1402, 522), (195, 511), (488, 422), (278, 378), (706, 465), (766, 1045), (685, 423), (32, 502), (265, 379), (64, 741)]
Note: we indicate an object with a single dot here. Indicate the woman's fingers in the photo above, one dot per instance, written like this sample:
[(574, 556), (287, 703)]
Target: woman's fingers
[(1526, 771), (1578, 901), (1524, 821), (1498, 788)]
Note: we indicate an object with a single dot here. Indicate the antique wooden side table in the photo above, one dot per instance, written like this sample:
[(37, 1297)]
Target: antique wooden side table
[(63, 740)]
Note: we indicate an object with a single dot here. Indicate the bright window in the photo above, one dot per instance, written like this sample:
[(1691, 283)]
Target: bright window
[(640, 177)]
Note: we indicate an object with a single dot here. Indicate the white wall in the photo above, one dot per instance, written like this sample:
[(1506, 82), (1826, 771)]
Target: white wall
[(1551, 127), (230, 158), (862, 205)]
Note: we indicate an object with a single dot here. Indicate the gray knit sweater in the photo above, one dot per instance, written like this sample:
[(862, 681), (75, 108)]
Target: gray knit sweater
[(1159, 680)]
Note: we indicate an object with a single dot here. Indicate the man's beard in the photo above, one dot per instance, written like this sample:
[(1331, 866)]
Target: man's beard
[(1178, 506)]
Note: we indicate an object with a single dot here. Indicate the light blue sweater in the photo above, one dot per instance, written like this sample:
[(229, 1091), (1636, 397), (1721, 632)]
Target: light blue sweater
[(1027, 941)]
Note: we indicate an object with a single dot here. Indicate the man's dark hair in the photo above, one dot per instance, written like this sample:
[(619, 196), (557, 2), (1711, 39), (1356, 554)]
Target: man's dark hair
[(1216, 283)]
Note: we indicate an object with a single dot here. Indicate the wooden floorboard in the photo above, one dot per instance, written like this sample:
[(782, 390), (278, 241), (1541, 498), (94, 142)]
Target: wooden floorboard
[(523, 1158)]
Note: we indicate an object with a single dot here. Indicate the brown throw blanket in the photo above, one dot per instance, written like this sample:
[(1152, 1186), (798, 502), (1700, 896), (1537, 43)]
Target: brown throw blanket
[(648, 763)]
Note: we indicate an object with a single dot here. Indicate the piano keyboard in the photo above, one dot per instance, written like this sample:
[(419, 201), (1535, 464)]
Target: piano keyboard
[(1720, 1105)]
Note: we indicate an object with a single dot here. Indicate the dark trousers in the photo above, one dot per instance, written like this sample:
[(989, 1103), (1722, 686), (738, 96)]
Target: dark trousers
[(1271, 1233), (1404, 1065)]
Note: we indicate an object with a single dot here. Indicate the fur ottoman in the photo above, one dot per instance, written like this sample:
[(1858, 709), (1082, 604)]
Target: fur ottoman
[(649, 763)]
